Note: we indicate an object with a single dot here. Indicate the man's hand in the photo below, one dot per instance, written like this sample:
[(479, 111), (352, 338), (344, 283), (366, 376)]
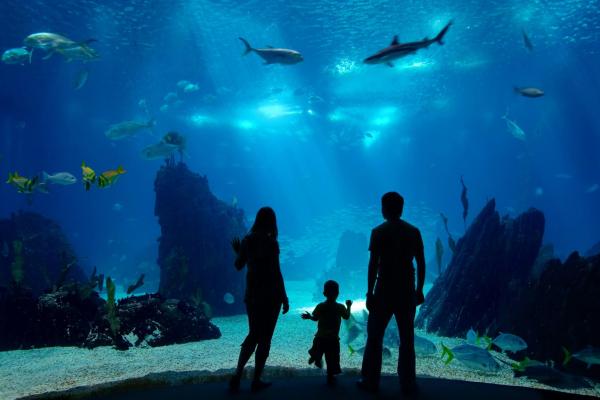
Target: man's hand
[(236, 244), (370, 301), (306, 315), (348, 303), (420, 299), (286, 308)]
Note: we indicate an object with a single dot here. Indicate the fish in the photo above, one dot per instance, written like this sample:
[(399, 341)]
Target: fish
[(527, 41), (19, 55), (353, 332), (80, 79), (228, 298), (529, 91), (471, 356), (23, 184), (183, 83), (108, 178), (547, 374), (59, 178), (439, 253), (385, 352), (81, 52), (117, 207), (170, 98), (592, 188), (398, 50), (424, 347), (52, 42), (273, 55), (589, 355), (127, 129), (464, 201), (514, 129), (472, 337), (88, 176), (139, 283), (159, 150), (509, 343)]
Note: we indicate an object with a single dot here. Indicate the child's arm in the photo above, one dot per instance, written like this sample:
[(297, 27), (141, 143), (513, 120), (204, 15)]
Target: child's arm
[(314, 316), (346, 312)]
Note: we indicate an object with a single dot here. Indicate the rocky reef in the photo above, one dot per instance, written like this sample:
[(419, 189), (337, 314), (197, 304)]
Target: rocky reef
[(350, 268), (195, 255), (34, 253), (500, 281), (75, 315)]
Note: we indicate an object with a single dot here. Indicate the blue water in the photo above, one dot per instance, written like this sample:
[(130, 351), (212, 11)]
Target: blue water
[(311, 139)]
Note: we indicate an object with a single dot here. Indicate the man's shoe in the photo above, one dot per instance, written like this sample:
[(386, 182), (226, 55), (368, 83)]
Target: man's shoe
[(367, 386), (257, 386)]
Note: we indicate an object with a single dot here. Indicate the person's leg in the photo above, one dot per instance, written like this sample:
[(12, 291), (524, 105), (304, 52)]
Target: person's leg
[(247, 348), (267, 322), (379, 317), (405, 317), (332, 358), (316, 352)]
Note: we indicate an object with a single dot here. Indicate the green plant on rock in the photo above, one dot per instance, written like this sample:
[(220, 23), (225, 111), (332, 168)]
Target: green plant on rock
[(17, 268), (111, 307)]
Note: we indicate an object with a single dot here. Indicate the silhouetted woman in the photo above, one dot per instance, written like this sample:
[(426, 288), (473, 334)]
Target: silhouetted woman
[(265, 293)]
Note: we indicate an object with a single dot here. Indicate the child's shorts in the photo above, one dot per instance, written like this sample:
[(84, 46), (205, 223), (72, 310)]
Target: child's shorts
[(330, 347)]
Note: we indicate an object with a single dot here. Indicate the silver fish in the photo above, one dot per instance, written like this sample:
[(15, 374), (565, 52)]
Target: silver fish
[(19, 55), (273, 55), (529, 91), (509, 342), (59, 178), (159, 151), (126, 129)]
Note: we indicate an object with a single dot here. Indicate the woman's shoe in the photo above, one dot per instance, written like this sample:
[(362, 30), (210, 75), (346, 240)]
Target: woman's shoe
[(234, 383), (259, 385)]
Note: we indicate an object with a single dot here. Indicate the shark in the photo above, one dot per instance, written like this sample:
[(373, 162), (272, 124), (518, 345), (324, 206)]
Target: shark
[(397, 50)]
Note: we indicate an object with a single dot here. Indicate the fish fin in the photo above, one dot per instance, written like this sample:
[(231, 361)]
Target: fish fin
[(395, 41), (47, 56), (567, 354), (87, 42), (517, 90), (248, 49), (268, 46), (351, 350), (447, 351), (440, 36), (30, 55), (44, 176), (389, 64)]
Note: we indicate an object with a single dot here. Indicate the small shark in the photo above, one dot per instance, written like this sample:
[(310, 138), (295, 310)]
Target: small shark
[(272, 55), (398, 50)]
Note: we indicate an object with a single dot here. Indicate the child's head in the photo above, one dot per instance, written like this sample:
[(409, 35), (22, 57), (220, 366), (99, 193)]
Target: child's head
[(331, 290)]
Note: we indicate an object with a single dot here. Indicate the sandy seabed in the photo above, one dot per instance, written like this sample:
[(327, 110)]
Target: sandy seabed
[(54, 369)]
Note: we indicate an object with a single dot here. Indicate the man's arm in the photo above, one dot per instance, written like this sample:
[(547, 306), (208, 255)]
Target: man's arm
[(373, 265), (420, 258)]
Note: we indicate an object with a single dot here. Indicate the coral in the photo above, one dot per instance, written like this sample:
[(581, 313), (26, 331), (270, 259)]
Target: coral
[(111, 307)]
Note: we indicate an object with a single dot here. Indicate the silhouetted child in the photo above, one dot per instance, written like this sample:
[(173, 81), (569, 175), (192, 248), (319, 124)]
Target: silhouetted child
[(329, 315)]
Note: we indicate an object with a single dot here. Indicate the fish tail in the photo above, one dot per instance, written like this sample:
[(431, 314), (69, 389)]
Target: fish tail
[(249, 48), (440, 36), (517, 90), (44, 176), (351, 350), (30, 55), (447, 351), (567, 354)]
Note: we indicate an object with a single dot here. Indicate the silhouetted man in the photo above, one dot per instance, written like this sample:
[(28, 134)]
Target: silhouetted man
[(391, 291)]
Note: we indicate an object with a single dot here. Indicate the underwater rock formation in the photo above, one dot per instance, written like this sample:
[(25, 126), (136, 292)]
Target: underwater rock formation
[(494, 255), (561, 308), (195, 255), (35, 253), (593, 251), (75, 315), (350, 268)]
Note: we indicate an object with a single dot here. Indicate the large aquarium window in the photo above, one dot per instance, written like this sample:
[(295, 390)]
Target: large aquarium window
[(139, 138)]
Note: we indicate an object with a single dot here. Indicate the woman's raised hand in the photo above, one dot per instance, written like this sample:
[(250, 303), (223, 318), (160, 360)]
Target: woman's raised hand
[(236, 244)]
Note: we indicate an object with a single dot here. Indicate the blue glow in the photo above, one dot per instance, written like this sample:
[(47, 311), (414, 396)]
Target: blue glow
[(370, 138), (245, 124), (277, 111), (200, 119)]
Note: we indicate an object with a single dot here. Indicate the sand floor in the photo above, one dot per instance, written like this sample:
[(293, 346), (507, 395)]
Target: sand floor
[(37, 371)]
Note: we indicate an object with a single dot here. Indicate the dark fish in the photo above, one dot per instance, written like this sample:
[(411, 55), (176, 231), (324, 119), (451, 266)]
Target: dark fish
[(526, 41), (439, 253), (465, 201), (136, 285), (532, 92), (398, 50)]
